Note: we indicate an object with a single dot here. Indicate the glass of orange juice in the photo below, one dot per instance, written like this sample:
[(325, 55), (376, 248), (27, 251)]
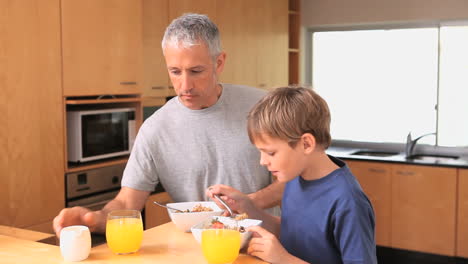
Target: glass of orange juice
[(124, 231), (221, 243)]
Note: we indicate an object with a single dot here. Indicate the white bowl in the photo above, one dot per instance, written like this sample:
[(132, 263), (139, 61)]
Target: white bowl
[(184, 221), (245, 237)]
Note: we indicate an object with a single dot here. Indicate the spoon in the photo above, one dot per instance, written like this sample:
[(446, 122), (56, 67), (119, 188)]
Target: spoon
[(241, 228), (168, 207), (225, 205)]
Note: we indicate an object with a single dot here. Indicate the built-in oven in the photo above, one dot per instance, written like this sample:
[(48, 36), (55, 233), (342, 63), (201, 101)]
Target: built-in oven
[(93, 189)]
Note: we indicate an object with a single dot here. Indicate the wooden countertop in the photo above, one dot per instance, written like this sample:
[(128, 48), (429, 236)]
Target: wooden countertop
[(23, 233), (162, 244)]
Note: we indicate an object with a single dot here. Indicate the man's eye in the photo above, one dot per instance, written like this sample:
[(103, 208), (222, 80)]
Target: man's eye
[(196, 71), (175, 72)]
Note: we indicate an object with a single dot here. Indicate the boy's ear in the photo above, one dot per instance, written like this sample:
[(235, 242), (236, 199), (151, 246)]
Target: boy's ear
[(308, 141)]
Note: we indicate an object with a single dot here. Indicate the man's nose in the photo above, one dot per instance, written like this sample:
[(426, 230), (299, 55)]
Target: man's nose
[(186, 83)]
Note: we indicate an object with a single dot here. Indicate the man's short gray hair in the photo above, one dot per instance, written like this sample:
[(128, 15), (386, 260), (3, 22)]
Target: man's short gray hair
[(189, 30)]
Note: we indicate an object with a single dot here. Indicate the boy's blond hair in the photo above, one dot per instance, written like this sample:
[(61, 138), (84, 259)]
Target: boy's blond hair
[(289, 112)]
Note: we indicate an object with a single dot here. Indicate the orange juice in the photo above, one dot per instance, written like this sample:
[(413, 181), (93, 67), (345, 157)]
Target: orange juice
[(124, 235), (220, 246)]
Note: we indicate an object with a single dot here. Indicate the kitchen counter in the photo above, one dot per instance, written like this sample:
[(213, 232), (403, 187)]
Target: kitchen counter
[(347, 153), (24, 233), (162, 244)]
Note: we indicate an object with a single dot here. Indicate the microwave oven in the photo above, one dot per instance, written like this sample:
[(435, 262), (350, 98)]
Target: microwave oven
[(100, 134)]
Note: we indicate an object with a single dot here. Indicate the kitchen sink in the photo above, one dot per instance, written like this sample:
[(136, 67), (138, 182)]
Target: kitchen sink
[(374, 153), (432, 158)]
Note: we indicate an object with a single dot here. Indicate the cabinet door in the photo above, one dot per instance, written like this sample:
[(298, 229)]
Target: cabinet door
[(462, 223), (236, 23), (31, 107), (101, 45), (156, 215), (375, 180), (179, 7), (423, 208), (155, 20), (272, 43)]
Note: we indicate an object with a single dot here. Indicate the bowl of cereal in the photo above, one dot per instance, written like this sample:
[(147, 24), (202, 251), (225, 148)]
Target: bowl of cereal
[(226, 222), (192, 213)]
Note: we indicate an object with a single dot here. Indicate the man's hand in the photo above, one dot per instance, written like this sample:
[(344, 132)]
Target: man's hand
[(95, 220), (127, 198)]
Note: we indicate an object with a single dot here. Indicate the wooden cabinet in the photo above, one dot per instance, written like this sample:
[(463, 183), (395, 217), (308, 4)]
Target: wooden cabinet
[(415, 206), (294, 24), (101, 47), (180, 7), (375, 179), (256, 45), (156, 82), (156, 215), (423, 208), (157, 15), (236, 26), (272, 43), (31, 106), (462, 214)]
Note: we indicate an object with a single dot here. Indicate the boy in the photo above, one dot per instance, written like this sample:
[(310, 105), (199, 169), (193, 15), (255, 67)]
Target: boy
[(326, 217)]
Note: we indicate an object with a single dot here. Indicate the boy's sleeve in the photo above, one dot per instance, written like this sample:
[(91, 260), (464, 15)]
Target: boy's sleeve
[(354, 234)]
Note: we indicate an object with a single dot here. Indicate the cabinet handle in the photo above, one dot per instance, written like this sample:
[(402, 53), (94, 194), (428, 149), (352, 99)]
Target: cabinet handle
[(262, 85), (128, 83), (171, 87), (377, 170), (405, 173), (157, 87)]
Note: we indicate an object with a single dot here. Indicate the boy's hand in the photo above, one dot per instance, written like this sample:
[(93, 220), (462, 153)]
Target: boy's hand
[(235, 199), (266, 246)]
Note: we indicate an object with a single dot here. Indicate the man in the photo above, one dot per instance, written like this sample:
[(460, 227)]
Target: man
[(195, 140)]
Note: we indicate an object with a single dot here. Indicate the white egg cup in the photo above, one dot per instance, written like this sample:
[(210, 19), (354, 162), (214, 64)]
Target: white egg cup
[(75, 243)]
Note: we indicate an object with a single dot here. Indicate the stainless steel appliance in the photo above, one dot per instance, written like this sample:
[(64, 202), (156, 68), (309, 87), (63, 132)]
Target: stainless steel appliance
[(100, 134), (93, 188)]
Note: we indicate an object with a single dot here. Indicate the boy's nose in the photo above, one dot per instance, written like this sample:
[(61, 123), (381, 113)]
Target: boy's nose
[(263, 161)]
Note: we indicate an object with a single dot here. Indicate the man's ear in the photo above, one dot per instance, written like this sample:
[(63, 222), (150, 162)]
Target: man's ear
[(308, 143), (220, 60)]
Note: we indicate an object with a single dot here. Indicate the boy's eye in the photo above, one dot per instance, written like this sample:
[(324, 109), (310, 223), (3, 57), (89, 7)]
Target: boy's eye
[(270, 153)]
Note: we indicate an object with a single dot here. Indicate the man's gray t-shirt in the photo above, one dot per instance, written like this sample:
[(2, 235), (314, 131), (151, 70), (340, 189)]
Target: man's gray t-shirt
[(189, 150)]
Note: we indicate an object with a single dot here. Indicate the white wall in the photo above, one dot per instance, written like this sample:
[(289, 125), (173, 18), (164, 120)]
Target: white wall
[(349, 12)]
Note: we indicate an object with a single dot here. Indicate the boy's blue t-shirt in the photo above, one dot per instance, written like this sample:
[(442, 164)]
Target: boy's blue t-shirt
[(329, 220)]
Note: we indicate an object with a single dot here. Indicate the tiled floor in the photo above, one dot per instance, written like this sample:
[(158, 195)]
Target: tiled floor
[(393, 256)]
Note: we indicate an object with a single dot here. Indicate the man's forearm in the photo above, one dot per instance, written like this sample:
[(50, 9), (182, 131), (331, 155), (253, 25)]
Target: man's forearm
[(269, 196), (102, 214)]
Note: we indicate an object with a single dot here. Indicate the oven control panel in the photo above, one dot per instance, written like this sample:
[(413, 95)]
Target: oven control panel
[(93, 181)]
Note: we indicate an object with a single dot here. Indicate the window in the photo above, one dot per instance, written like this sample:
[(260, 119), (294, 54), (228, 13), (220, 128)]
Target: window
[(382, 84), (453, 91)]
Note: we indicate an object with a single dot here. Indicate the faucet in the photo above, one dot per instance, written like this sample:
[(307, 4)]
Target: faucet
[(410, 143)]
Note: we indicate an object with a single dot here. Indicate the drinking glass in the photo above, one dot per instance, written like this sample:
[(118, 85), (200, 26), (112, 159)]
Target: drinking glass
[(221, 245), (124, 231)]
